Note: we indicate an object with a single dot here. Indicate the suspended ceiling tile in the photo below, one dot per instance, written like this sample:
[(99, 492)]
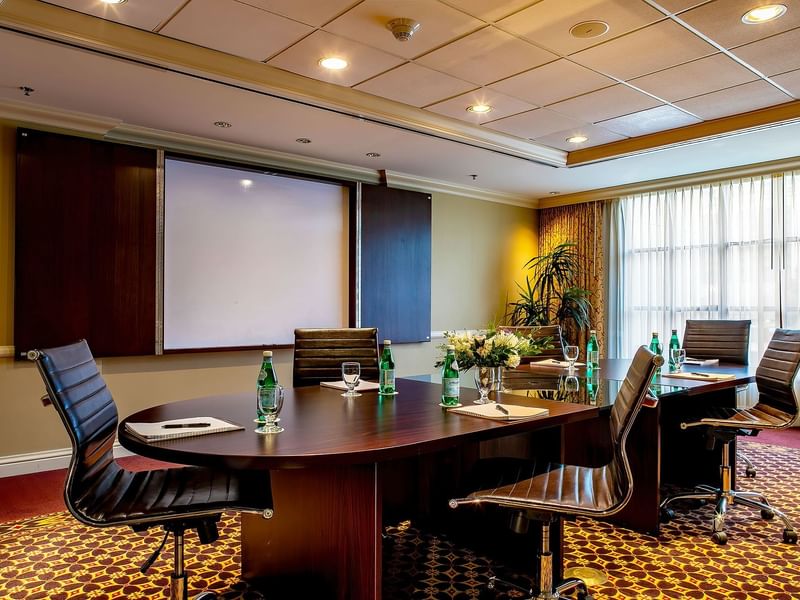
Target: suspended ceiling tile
[(649, 121), (596, 136), (791, 81), (547, 23), (653, 48), (694, 78), (310, 12), (489, 11), (721, 20), (606, 103), (144, 14), (234, 28), (485, 56), (502, 106), (439, 24), (534, 123), (735, 100), (774, 55), (676, 6), (364, 62), (552, 82), (415, 85)]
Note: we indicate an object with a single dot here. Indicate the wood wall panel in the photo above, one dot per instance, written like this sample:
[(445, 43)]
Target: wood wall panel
[(85, 254)]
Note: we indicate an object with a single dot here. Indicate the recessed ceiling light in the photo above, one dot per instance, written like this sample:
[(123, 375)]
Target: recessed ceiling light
[(762, 14), (334, 63), (246, 183), (373, 154), (589, 29), (554, 193), (480, 109), (113, 1), (303, 141), (223, 124), (577, 139)]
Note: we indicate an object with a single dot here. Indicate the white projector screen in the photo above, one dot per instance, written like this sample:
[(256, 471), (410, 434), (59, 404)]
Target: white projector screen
[(249, 257)]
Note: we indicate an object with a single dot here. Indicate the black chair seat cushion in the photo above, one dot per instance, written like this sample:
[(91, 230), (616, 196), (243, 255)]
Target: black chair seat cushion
[(760, 416)]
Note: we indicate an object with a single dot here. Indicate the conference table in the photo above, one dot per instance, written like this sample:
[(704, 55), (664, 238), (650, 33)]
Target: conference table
[(329, 470)]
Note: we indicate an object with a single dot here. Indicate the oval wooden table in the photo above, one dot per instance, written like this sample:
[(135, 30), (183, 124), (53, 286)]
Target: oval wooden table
[(327, 471)]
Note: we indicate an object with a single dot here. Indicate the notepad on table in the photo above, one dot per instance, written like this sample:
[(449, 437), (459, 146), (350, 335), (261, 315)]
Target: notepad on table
[(552, 362), (700, 376), (500, 412), (363, 386), (702, 362), (179, 428)]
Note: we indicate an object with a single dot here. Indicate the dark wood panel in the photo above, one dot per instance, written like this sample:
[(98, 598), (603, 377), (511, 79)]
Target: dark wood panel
[(85, 253), (396, 263)]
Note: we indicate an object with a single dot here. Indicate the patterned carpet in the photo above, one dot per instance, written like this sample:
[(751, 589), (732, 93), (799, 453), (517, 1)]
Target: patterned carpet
[(53, 557)]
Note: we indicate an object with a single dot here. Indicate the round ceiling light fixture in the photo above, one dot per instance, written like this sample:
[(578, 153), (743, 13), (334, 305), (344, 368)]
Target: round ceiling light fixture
[(403, 29), (222, 124), (373, 154), (762, 14), (113, 1), (334, 63), (303, 141), (479, 109), (589, 29), (577, 139)]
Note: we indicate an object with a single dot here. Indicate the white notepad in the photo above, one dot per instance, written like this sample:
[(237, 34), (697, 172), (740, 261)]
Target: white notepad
[(179, 428), (552, 362), (495, 411), (700, 376), (703, 362), (363, 386)]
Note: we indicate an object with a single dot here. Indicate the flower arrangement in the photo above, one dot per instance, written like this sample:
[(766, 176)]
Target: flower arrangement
[(491, 348)]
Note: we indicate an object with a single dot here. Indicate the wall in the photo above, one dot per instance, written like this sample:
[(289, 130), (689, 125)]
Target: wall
[(478, 250)]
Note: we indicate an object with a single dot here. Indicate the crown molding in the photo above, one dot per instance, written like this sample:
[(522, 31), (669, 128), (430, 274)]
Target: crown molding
[(71, 27), (422, 184), (29, 114)]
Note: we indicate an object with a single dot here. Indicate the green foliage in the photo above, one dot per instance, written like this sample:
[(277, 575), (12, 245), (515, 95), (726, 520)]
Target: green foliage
[(550, 294)]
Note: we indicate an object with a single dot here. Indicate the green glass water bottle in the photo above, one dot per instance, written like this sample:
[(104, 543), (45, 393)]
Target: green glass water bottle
[(386, 368), (655, 348), (266, 387), (674, 344), (592, 352), (450, 380)]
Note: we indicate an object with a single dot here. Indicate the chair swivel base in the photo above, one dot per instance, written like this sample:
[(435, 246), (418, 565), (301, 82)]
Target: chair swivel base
[(556, 593)]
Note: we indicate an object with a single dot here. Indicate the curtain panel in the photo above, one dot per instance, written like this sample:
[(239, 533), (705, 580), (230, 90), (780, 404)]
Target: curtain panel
[(581, 224)]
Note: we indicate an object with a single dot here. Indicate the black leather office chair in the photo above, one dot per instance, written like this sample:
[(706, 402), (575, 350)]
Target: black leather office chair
[(101, 493), (319, 354), (727, 340), (543, 492), (778, 407)]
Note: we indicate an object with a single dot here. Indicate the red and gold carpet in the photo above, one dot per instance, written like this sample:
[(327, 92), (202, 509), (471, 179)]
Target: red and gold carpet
[(55, 558)]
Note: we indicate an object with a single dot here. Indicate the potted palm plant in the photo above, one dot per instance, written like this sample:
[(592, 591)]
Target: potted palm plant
[(551, 295)]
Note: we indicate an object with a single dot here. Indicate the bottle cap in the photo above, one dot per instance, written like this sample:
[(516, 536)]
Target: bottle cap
[(387, 342), (655, 334), (674, 331), (592, 331), (267, 353), (451, 347)]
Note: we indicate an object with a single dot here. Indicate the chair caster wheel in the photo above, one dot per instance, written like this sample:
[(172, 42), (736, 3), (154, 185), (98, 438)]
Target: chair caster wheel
[(750, 472), (666, 515), (721, 538), (582, 593), (491, 584), (789, 536), (767, 515), (206, 596)]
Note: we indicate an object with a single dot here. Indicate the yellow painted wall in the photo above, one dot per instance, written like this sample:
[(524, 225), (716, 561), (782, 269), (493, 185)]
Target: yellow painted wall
[(478, 250)]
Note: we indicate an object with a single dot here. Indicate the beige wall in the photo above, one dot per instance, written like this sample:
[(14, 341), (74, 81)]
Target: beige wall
[(478, 250)]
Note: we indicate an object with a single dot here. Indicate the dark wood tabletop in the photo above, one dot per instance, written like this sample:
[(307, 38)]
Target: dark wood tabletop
[(324, 429)]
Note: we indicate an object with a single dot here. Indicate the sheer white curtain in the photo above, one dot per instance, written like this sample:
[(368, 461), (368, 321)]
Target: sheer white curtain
[(728, 250)]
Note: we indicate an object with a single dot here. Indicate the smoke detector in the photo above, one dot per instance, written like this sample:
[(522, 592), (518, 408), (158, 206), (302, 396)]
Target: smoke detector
[(403, 29)]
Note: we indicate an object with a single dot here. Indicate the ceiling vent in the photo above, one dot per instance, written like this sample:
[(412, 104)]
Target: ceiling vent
[(403, 29)]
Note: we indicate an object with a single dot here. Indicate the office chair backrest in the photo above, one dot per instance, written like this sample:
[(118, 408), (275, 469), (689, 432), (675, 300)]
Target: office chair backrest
[(778, 373), (319, 354), (84, 403), (541, 331), (729, 341)]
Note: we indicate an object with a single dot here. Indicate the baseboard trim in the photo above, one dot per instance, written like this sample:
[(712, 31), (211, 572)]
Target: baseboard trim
[(47, 460)]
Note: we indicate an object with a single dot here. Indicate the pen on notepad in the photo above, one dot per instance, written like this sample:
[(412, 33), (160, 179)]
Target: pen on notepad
[(502, 409), (184, 425), (701, 374)]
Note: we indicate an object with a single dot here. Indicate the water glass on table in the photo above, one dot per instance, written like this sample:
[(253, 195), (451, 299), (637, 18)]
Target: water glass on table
[(678, 356), (571, 354), (351, 374)]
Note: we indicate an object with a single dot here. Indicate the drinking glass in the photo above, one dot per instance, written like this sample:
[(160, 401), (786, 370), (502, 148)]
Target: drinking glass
[(351, 373), (571, 384), (484, 381), (571, 354), (678, 358), (270, 401)]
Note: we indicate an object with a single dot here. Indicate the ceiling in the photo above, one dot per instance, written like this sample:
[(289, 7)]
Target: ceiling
[(662, 66)]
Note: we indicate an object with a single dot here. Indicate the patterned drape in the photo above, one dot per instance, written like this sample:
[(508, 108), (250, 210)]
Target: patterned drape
[(583, 225)]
